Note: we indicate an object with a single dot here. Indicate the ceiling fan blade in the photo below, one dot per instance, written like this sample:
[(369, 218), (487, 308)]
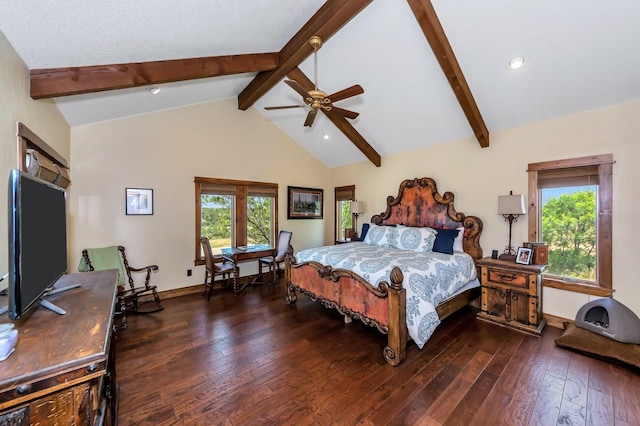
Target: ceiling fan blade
[(298, 88), (345, 112), (346, 93), (310, 118), (284, 107)]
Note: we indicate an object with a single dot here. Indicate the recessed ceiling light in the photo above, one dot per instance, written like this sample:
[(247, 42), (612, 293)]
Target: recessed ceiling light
[(516, 62), (326, 137), (154, 90)]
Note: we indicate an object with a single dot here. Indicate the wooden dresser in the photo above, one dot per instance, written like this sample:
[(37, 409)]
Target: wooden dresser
[(63, 369), (512, 295)]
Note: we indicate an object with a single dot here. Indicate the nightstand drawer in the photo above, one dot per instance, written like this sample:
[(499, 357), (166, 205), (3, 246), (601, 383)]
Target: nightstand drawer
[(510, 278)]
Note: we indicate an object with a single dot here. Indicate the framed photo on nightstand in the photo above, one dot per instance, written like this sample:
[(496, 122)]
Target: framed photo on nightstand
[(524, 255)]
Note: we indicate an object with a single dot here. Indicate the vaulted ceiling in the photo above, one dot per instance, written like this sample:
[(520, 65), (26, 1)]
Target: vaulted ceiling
[(432, 71)]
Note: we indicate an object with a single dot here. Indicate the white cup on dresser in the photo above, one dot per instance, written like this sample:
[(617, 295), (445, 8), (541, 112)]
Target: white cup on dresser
[(8, 340)]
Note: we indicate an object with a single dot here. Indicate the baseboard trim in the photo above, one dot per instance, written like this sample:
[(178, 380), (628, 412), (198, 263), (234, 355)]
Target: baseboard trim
[(555, 321), (177, 292)]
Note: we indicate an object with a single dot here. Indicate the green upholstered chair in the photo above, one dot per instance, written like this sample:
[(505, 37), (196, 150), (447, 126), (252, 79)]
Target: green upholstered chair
[(130, 299)]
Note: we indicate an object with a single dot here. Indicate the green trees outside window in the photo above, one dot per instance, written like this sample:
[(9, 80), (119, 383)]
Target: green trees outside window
[(346, 218), (216, 220), (569, 225), (259, 220)]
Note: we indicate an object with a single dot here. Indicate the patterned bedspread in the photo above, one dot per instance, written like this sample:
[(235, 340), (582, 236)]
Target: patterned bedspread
[(429, 278)]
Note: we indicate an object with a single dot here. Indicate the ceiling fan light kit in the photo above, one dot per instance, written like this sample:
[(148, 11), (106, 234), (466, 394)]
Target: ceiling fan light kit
[(317, 99)]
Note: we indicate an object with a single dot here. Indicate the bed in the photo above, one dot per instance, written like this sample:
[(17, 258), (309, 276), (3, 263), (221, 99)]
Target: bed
[(372, 281)]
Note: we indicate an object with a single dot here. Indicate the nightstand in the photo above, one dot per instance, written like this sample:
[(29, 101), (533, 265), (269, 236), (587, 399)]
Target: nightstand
[(512, 295), (344, 241)]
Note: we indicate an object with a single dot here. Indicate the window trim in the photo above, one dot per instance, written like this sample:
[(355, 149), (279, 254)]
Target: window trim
[(603, 286), (241, 190), (342, 193)]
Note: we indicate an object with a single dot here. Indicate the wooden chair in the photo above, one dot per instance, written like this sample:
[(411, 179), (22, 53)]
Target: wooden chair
[(273, 262), (130, 299), (213, 268)]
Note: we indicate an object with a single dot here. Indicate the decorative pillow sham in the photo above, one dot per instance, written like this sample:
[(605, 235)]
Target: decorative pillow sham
[(445, 239), (380, 235), (414, 239), (457, 243)]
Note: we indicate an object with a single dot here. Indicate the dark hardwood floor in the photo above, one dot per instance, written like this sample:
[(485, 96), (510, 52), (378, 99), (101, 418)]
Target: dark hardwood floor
[(256, 360)]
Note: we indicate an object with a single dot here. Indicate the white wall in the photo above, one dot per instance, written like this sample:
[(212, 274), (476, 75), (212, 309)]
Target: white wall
[(42, 117), (164, 151), (478, 176)]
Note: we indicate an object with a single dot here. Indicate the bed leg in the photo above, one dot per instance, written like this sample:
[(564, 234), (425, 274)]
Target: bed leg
[(291, 297), (396, 350), (348, 319)]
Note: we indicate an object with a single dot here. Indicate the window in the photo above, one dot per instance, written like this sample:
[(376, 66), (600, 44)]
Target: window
[(234, 213), (571, 210), (216, 219), (344, 218)]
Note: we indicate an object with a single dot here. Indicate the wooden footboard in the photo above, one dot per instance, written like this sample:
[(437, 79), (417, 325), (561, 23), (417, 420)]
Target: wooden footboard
[(353, 297), (348, 293)]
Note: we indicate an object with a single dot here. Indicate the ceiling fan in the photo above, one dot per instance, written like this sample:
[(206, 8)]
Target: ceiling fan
[(317, 99)]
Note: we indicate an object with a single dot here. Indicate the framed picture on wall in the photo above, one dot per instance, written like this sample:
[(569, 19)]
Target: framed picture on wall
[(304, 203), (139, 201)]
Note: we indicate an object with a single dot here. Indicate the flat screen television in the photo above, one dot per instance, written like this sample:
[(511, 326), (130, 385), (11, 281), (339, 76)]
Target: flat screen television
[(37, 241)]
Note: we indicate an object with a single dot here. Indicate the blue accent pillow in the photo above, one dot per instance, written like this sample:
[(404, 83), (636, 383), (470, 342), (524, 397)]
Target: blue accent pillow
[(444, 240), (365, 228)]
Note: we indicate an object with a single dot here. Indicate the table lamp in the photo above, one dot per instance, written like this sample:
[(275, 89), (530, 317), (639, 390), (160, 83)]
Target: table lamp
[(357, 207), (510, 207)]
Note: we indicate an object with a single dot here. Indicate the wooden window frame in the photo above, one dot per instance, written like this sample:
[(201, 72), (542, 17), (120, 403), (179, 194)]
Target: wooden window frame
[(342, 193), (241, 189), (27, 139), (604, 163)]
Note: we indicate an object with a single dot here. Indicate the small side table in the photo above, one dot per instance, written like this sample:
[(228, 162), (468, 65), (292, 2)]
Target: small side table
[(512, 295)]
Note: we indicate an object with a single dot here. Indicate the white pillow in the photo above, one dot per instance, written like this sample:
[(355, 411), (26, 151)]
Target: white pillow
[(380, 235), (415, 239), (457, 243)]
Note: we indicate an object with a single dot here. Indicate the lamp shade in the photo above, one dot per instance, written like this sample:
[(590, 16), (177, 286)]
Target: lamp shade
[(511, 204), (357, 207)]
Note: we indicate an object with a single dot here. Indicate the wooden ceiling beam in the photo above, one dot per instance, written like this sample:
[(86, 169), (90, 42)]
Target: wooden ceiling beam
[(324, 23), (339, 121), (433, 31), (53, 82)]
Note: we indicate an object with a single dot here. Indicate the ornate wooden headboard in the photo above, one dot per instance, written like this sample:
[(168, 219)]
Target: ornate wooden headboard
[(419, 204)]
